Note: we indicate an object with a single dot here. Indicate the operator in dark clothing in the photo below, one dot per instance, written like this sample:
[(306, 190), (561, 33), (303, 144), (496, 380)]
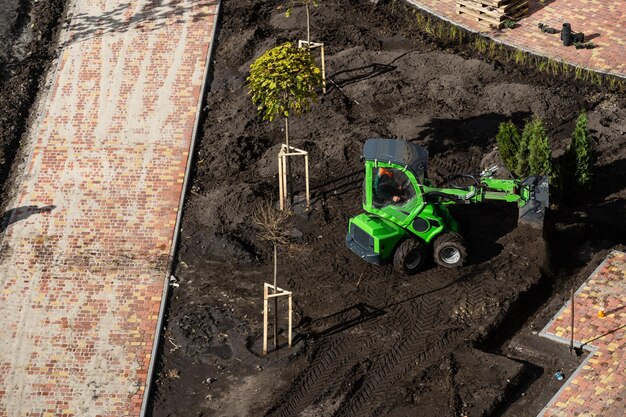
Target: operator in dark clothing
[(386, 190)]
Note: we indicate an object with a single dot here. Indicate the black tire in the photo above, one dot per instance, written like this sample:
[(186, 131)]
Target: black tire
[(449, 250), (410, 256)]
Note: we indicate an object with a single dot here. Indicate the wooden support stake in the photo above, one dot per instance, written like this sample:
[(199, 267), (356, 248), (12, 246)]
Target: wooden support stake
[(312, 45), (283, 155), (283, 190), (290, 320), (323, 70), (306, 179), (286, 178), (265, 294), (278, 292), (276, 299), (280, 183)]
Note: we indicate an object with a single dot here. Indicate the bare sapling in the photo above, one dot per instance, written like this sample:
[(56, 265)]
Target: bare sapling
[(274, 227)]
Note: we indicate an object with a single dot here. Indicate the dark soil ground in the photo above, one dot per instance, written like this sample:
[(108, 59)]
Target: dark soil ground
[(369, 341), (28, 35)]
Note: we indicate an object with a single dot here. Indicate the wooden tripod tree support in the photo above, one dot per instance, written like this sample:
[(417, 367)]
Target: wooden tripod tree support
[(313, 45), (284, 153), (278, 292)]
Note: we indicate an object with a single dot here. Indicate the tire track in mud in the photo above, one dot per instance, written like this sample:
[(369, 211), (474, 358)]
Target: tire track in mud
[(329, 364), (420, 323), (430, 333), (472, 302), (412, 328), (384, 380)]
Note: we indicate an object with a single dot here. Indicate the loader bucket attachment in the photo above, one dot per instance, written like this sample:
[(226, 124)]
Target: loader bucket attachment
[(533, 213)]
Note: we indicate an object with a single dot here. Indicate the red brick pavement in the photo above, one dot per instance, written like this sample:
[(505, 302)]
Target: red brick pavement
[(598, 388), (82, 284), (604, 21)]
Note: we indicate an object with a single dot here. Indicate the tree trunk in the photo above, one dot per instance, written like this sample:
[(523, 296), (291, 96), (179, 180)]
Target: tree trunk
[(287, 133), (275, 299)]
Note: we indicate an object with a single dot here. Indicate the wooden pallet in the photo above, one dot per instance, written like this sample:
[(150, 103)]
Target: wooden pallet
[(510, 6), (484, 20), (487, 20), (490, 15), (510, 9), (493, 3)]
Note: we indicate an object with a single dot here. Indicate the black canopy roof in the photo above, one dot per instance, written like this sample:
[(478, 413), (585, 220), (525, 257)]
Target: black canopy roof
[(397, 151)]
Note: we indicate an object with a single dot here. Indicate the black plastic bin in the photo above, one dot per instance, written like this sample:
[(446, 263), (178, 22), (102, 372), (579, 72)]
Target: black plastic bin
[(566, 34)]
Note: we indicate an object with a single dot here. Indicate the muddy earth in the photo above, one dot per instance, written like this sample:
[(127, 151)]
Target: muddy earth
[(368, 341), (28, 40)]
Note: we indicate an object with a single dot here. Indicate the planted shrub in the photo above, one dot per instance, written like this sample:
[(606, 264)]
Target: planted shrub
[(521, 167), (508, 139), (539, 153), (283, 82), (581, 151), (533, 154)]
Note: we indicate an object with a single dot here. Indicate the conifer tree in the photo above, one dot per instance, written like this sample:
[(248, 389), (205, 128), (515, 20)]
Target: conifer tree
[(582, 152), (508, 139)]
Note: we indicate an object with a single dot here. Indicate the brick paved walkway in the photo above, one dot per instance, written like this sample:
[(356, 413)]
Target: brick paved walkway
[(82, 282), (603, 21), (598, 388)]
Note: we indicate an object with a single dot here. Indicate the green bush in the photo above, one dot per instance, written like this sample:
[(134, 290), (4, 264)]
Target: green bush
[(521, 167), (581, 151), (539, 155), (284, 81), (508, 139), (534, 154)]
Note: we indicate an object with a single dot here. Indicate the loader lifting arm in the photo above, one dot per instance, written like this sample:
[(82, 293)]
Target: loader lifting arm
[(486, 188)]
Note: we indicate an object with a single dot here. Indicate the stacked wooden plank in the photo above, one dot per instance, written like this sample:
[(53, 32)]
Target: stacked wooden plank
[(492, 13)]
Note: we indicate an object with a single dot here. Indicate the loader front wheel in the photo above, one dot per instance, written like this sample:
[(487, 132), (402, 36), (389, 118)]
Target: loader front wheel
[(449, 250), (410, 257)]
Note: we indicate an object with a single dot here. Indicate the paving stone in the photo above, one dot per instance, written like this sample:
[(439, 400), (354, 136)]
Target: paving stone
[(82, 282), (601, 381), (602, 22)]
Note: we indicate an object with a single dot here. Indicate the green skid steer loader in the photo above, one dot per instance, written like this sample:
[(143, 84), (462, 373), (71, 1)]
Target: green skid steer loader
[(406, 216)]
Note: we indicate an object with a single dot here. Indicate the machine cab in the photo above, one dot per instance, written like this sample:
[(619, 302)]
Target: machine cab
[(394, 172)]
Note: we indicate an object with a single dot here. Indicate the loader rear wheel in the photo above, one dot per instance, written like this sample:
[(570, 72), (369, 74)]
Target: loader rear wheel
[(410, 257), (450, 250)]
